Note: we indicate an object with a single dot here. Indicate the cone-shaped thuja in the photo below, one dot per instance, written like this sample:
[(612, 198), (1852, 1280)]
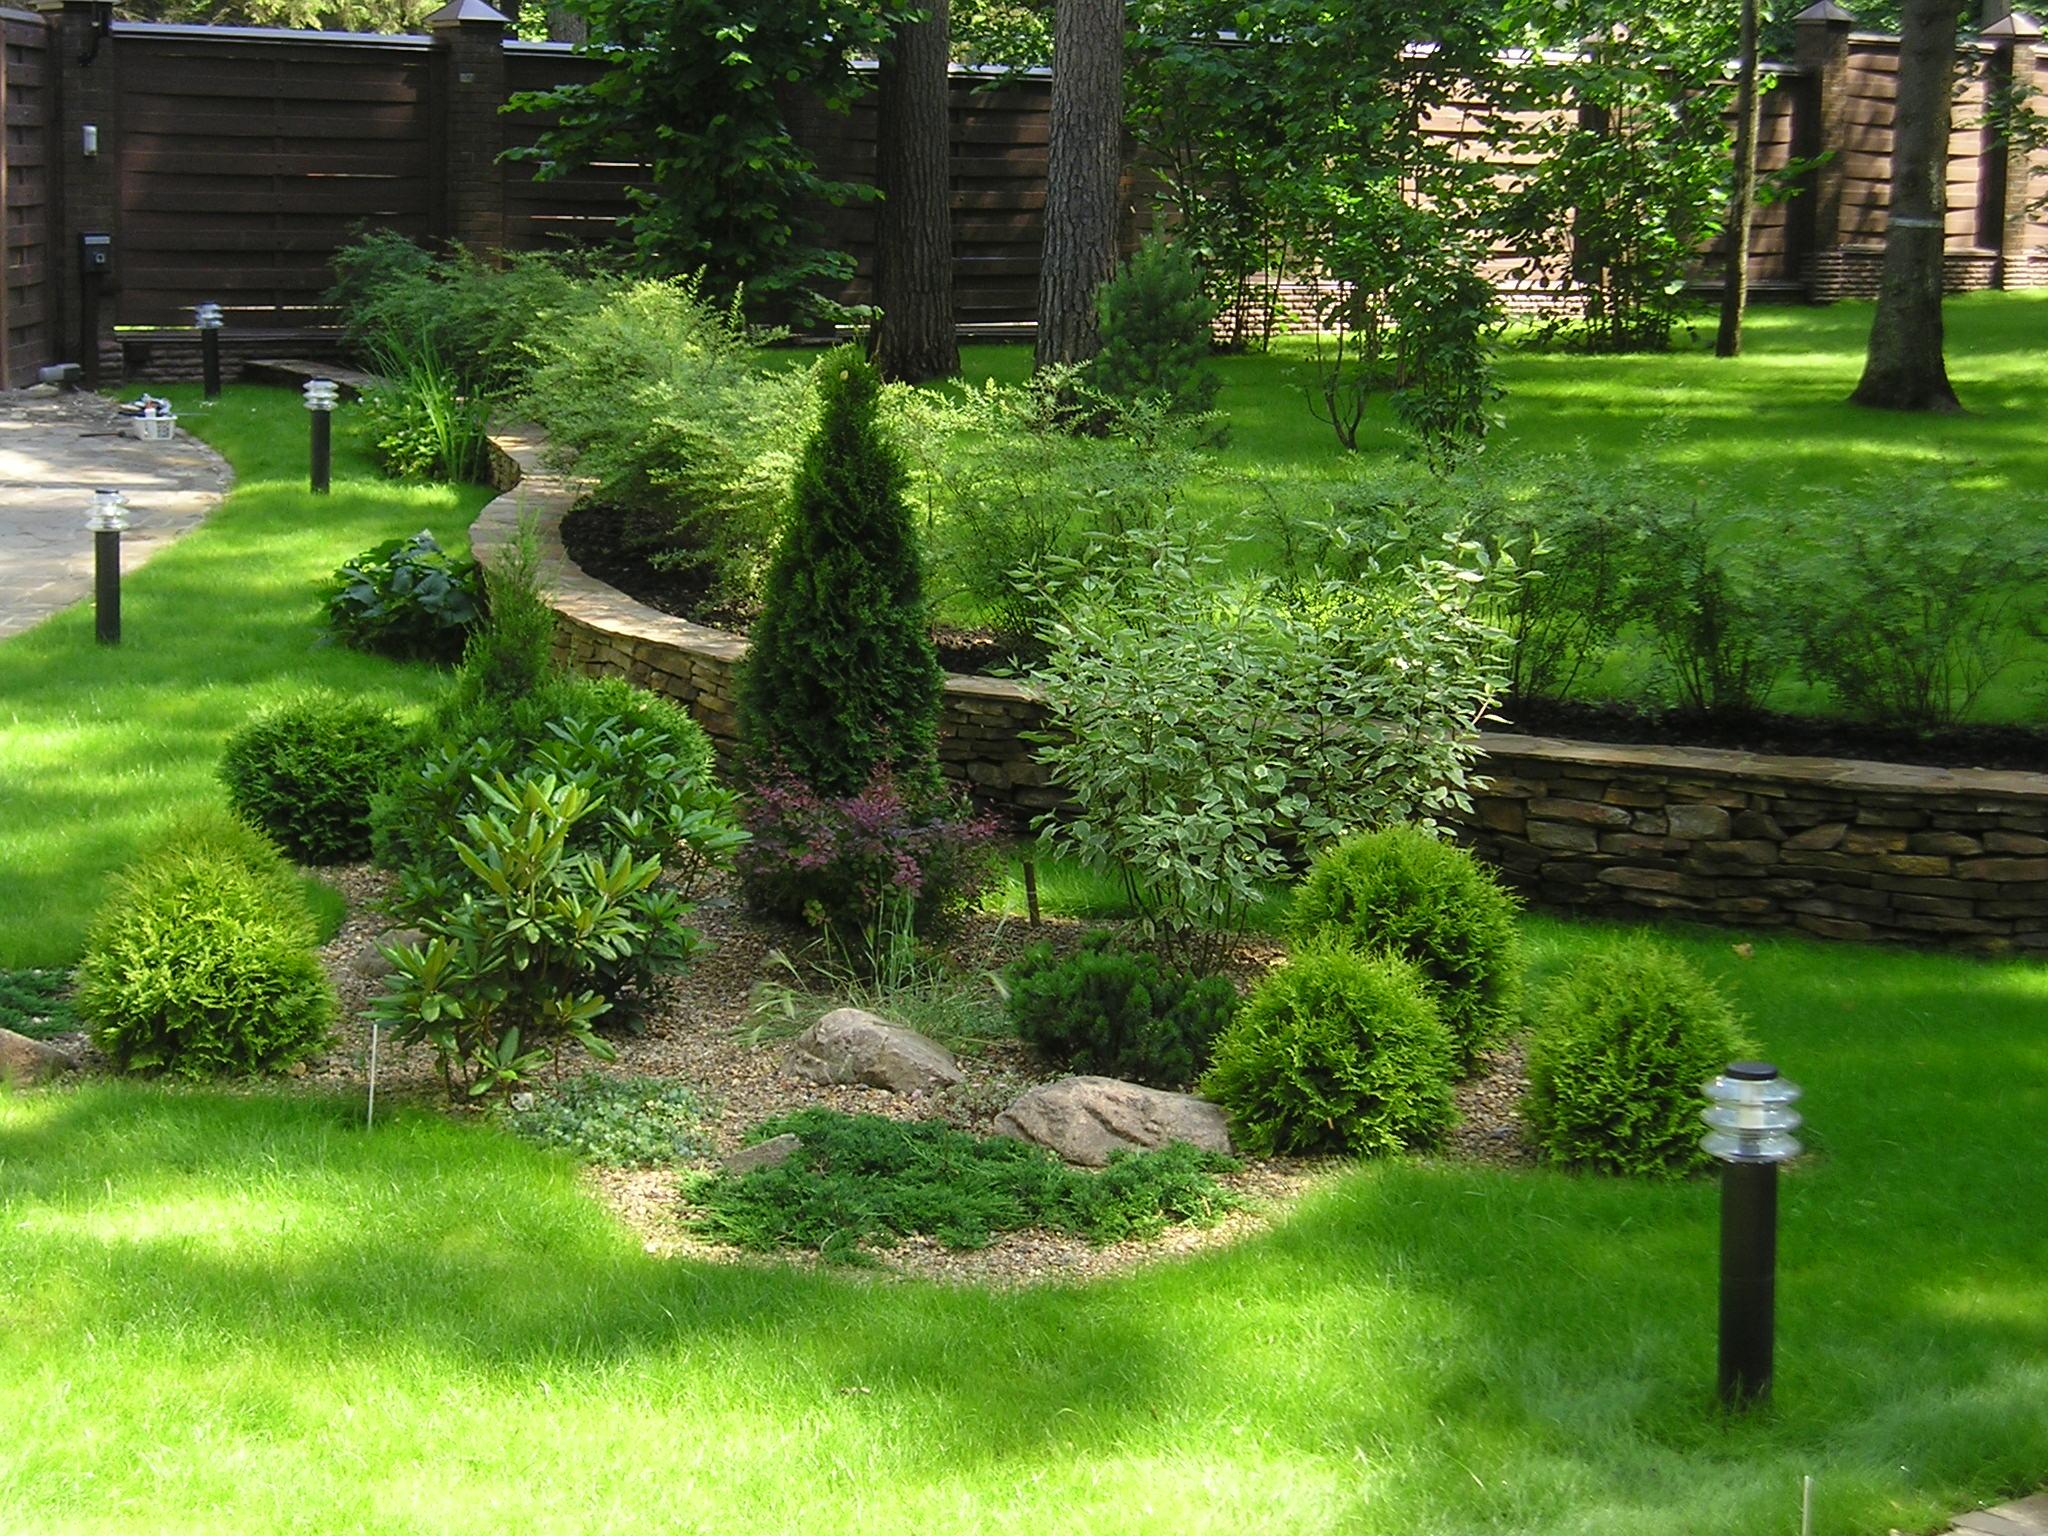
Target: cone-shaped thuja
[(841, 675)]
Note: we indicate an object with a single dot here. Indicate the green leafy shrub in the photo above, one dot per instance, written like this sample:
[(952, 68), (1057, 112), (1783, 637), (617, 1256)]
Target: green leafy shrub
[(1717, 604), (305, 771), (1335, 1051), (521, 949), (1208, 731), (1409, 893), (841, 676), (201, 961), (690, 445), (861, 1180), (407, 598), (1920, 597), (36, 1001), (1155, 322), (618, 1122), (1624, 1043), (510, 655), (1118, 1012)]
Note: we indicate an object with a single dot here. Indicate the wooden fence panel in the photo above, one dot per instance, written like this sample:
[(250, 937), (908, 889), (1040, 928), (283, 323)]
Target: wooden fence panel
[(28, 308), (246, 162)]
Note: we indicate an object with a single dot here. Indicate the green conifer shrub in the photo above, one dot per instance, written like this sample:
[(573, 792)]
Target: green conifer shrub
[(842, 676), (1155, 323)]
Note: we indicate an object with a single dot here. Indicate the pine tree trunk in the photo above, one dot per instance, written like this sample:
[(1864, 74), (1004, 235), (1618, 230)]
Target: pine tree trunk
[(916, 338), (1742, 202), (1083, 166), (1904, 370)]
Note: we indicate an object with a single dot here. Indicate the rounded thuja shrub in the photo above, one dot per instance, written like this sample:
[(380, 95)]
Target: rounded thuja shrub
[(1624, 1041), (201, 961), (1430, 902), (1335, 1051), (304, 772)]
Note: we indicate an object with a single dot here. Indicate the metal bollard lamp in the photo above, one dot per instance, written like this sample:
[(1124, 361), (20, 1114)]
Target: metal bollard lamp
[(322, 396), (106, 517), (207, 317), (1750, 1121)]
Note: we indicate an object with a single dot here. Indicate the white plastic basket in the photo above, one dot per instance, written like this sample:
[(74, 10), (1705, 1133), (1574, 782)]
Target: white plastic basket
[(156, 429)]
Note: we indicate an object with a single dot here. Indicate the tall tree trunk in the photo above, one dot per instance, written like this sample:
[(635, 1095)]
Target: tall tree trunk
[(1742, 204), (1083, 163), (916, 337), (1904, 370)]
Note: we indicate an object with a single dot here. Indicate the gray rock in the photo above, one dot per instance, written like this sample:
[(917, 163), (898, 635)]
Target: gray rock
[(1085, 1119), (370, 963), (772, 1153), (24, 1061), (849, 1046)]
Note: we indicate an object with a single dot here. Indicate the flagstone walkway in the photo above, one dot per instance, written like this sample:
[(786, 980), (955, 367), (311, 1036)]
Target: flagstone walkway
[(55, 450)]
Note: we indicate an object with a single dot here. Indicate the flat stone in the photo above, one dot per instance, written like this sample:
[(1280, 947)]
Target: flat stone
[(1706, 822), (2014, 842), (1085, 1119), (1563, 835), (772, 1153), (24, 1061), (850, 1046), (1585, 811), (1819, 839), (2002, 869)]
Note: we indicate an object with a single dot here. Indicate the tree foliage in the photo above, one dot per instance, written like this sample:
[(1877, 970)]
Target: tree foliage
[(700, 92)]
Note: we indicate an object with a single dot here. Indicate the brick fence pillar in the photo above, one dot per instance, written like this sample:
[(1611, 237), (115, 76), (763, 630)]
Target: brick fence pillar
[(1821, 50), (469, 43), (2014, 41), (85, 80)]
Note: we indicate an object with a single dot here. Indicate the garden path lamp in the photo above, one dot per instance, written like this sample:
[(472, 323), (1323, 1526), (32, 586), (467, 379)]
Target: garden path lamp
[(208, 318), (322, 395), (1750, 1121), (106, 517)]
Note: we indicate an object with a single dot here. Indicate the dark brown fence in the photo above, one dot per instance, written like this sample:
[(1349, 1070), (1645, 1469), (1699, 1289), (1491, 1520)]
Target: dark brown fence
[(232, 162), (27, 105)]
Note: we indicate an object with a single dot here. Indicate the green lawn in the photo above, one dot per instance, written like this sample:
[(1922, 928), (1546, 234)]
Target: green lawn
[(1771, 428), (243, 1313), (99, 746)]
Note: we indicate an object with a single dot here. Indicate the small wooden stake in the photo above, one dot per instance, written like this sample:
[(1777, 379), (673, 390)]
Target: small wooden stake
[(1031, 892)]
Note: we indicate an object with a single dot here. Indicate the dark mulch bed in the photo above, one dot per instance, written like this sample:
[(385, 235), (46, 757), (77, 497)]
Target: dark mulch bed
[(590, 533)]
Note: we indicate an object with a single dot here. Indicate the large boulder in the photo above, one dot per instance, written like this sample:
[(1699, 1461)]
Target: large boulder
[(23, 1060), (1085, 1119), (850, 1046)]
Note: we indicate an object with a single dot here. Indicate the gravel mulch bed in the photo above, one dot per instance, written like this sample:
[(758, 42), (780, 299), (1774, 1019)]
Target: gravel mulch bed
[(697, 1028)]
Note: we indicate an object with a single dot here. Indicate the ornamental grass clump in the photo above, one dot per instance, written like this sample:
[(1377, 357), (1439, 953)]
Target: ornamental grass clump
[(1624, 1043), (201, 961), (1406, 891), (1335, 1051)]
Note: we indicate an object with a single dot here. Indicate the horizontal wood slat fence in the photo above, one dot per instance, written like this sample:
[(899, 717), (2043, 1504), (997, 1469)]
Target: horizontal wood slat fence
[(228, 164)]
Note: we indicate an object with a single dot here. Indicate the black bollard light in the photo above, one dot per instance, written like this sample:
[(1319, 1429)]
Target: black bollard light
[(1750, 1123), (322, 395), (108, 517), (208, 318)]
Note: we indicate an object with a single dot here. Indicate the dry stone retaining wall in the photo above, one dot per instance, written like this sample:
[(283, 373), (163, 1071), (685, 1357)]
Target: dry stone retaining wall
[(1844, 850)]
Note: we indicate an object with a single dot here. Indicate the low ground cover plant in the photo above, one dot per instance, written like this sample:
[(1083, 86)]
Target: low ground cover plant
[(36, 1001), (305, 771), (408, 598), (201, 961), (1336, 1050), (1118, 1012), (1409, 892), (862, 1181), (616, 1122), (1624, 1043)]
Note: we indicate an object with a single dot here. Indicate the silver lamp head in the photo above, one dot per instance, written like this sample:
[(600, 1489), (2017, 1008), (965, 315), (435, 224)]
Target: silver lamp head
[(322, 394), (207, 317), (108, 512), (1749, 1115)]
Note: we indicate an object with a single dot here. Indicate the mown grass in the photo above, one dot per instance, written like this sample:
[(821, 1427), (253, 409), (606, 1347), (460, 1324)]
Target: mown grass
[(99, 747), (231, 1312), (1771, 431)]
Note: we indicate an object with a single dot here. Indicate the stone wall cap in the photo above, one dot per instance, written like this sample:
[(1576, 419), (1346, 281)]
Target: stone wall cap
[(1718, 762), (2019, 25), (464, 12)]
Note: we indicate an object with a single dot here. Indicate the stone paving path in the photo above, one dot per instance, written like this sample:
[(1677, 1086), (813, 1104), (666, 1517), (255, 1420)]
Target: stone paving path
[(2022, 1517), (55, 450)]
